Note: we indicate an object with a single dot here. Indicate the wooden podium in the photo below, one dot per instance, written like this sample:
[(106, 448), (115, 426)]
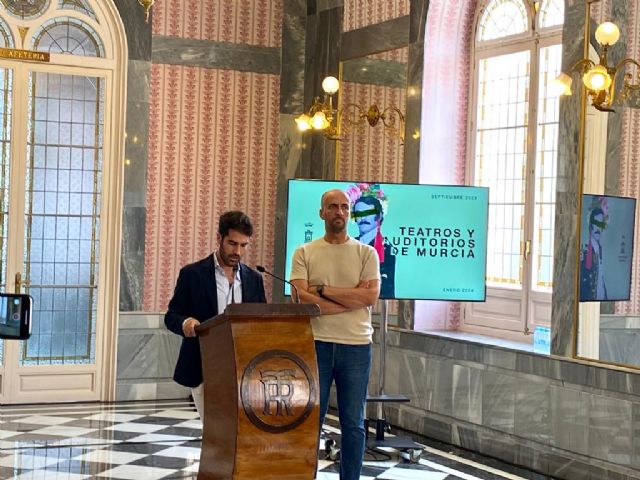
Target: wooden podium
[(261, 395)]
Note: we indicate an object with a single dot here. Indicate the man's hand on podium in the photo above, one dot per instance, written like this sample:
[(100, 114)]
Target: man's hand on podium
[(189, 327)]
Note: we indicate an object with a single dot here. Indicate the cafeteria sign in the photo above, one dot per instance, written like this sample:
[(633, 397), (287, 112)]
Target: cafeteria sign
[(28, 55)]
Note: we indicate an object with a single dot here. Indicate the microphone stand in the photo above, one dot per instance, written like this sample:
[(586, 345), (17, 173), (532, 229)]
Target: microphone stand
[(261, 269)]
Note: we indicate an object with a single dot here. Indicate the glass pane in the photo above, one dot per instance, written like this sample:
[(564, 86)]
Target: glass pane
[(68, 35), (546, 168), (500, 163), (26, 9), (6, 39), (551, 13), (6, 85), (62, 223), (79, 6), (501, 18)]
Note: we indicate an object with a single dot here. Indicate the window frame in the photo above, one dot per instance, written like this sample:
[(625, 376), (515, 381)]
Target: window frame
[(533, 40)]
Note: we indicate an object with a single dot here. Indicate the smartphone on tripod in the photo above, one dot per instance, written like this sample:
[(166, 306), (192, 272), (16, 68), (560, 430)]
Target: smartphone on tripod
[(15, 316)]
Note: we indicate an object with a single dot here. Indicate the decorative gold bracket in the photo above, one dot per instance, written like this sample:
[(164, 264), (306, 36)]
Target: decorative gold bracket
[(23, 34), (147, 4)]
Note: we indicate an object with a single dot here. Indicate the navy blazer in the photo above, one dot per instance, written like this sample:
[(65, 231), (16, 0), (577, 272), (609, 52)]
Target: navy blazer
[(196, 296)]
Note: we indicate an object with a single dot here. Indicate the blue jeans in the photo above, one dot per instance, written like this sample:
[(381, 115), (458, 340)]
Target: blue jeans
[(349, 366)]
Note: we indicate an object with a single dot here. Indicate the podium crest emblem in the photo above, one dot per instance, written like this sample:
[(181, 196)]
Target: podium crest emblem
[(277, 391)]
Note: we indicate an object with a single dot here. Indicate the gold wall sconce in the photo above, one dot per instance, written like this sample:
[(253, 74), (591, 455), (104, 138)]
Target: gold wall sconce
[(333, 122), (146, 4), (600, 79)]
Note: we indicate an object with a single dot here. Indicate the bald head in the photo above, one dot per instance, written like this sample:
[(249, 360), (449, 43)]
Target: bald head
[(334, 210), (335, 194)]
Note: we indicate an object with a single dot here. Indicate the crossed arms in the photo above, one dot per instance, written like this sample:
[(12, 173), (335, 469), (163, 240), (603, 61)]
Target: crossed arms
[(339, 299)]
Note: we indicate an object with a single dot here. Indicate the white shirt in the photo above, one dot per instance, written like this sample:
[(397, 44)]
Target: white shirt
[(226, 292)]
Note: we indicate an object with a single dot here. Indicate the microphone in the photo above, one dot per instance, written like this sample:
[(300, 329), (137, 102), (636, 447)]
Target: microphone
[(261, 269), (233, 284)]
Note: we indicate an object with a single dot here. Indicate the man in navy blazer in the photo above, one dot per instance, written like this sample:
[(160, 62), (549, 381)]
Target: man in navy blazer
[(205, 288)]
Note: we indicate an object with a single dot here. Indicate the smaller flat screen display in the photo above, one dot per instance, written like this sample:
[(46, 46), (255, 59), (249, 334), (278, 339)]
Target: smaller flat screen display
[(606, 247)]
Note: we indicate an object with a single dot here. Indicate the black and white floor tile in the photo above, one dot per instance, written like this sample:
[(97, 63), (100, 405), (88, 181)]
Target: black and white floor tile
[(161, 440)]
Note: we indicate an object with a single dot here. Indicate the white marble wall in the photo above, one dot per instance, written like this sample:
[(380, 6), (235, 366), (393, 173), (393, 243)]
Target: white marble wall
[(619, 339), (562, 418), (147, 354)]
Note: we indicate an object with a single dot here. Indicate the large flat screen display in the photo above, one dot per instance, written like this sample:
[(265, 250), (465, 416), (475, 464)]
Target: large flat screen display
[(606, 247), (432, 239)]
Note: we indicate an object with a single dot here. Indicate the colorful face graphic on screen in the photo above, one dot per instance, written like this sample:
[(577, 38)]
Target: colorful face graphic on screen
[(369, 206), (606, 247)]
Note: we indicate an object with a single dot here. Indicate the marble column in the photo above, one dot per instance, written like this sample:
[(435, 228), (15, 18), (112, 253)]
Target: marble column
[(564, 302), (310, 48), (563, 310), (291, 105), (144, 361), (413, 125), (135, 162), (323, 43)]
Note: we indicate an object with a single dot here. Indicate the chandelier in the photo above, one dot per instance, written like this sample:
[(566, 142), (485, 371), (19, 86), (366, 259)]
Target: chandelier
[(333, 122), (601, 79)]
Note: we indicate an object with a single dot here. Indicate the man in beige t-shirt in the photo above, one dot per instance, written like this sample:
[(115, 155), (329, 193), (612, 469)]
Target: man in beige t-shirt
[(342, 276)]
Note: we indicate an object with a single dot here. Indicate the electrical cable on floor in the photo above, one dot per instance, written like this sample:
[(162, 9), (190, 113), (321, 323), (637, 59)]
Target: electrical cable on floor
[(373, 453)]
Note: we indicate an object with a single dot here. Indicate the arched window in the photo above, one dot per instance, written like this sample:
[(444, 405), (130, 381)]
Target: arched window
[(68, 35), (501, 19), (26, 9), (551, 13), (514, 130), (6, 39), (81, 6)]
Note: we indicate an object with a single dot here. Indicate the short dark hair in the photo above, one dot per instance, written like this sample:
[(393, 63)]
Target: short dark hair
[(373, 202), (235, 220)]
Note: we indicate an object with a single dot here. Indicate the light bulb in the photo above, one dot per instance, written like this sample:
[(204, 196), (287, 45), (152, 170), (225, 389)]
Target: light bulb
[(607, 33), (319, 121), (561, 85), (330, 85), (304, 122), (597, 78)]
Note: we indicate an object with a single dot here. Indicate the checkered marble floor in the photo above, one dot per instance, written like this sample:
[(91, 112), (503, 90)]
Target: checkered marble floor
[(161, 440)]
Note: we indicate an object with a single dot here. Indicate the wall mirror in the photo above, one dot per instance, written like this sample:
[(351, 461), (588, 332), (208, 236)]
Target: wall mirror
[(365, 152), (608, 327), (373, 153)]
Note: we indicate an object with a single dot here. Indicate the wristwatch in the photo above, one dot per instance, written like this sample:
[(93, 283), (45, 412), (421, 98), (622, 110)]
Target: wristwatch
[(320, 291)]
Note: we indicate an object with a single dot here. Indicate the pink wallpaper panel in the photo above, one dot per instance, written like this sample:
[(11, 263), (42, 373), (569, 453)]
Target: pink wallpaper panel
[(254, 22), (601, 11), (362, 13), (368, 154), (400, 55), (629, 173), (213, 146)]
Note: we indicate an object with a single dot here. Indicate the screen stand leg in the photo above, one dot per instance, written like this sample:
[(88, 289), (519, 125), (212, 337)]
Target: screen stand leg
[(399, 443)]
